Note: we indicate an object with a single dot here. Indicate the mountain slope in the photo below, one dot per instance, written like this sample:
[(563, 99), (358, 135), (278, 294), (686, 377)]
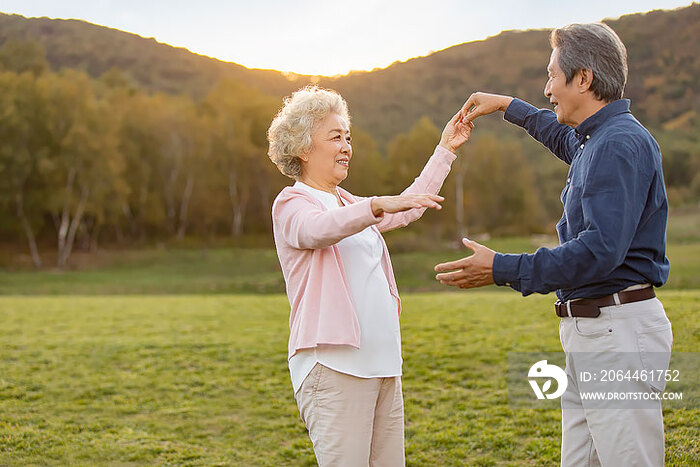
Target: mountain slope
[(663, 47), (153, 65)]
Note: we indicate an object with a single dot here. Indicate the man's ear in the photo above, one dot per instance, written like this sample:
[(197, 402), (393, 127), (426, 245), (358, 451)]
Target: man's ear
[(584, 80)]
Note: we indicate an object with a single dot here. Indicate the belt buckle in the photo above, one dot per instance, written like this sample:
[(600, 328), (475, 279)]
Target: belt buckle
[(559, 304)]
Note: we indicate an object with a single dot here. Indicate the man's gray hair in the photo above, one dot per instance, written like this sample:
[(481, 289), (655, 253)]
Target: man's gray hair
[(596, 47)]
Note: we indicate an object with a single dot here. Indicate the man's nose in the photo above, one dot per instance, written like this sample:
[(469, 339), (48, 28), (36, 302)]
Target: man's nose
[(547, 91)]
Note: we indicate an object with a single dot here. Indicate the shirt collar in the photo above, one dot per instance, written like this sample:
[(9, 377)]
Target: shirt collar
[(590, 124)]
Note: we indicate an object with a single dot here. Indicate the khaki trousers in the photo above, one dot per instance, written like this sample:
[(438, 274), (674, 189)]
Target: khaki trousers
[(354, 422), (613, 437)]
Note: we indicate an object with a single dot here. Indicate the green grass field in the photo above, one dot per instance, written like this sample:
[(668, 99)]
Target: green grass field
[(255, 271), (178, 357), (202, 380)]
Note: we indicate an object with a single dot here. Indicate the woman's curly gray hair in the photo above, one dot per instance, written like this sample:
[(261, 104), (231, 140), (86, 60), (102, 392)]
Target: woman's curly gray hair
[(290, 131)]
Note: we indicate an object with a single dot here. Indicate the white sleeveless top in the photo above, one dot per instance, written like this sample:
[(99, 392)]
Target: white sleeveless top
[(379, 354)]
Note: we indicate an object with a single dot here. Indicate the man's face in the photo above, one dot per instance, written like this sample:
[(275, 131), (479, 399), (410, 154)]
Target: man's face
[(566, 98)]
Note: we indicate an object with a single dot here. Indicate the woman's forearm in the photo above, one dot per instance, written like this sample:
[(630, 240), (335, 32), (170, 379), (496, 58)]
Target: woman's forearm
[(303, 225), (429, 181)]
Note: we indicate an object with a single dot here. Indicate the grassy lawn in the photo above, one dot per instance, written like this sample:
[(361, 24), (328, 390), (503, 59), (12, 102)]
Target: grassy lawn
[(254, 271), (202, 380), (156, 271)]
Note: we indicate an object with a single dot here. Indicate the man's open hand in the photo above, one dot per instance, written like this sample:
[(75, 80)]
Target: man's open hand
[(473, 271)]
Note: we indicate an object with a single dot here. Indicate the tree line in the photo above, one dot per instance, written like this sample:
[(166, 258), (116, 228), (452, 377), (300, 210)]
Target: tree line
[(85, 160), (88, 161)]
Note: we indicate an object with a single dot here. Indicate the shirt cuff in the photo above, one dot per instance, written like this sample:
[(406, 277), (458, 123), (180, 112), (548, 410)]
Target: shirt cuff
[(445, 153), (517, 111), (506, 269)]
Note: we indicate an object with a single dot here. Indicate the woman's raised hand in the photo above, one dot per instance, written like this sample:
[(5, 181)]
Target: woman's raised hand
[(399, 203), (456, 133)]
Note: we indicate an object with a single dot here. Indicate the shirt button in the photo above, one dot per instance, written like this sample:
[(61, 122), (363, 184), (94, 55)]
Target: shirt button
[(508, 284), (588, 136), (568, 180), (582, 146)]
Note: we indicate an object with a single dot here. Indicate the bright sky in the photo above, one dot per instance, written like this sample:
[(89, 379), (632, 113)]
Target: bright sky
[(326, 37)]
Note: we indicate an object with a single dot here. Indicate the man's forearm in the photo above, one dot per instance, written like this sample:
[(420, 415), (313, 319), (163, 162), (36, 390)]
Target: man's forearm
[(542, 125)]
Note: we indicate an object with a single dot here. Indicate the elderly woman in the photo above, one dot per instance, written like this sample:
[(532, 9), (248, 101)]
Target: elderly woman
[(345, 344)]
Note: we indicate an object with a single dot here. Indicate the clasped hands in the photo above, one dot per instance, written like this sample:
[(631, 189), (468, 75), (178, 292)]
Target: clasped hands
[(454, 135), (475, 270)]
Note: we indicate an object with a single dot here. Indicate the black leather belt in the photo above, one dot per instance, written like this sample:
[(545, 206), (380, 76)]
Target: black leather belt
[(590, 307)]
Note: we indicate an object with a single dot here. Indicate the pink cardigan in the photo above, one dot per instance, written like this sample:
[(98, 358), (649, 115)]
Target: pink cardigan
[(322, 311)]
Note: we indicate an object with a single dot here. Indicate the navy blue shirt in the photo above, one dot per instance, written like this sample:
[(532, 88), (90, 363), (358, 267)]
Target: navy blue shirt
[(613, 230)]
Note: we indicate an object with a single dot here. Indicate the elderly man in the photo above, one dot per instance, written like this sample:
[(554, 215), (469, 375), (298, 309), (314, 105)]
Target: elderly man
[(612, 236)]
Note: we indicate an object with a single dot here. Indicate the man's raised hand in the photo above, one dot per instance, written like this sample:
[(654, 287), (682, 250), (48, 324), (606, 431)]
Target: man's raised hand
[(481, 103)]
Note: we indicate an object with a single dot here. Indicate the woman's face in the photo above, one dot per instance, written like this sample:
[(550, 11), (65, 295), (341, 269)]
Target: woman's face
[(327, 163)]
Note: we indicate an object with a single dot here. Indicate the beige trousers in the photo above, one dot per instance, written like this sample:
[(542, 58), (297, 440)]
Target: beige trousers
[(354, 422), (610, 436)]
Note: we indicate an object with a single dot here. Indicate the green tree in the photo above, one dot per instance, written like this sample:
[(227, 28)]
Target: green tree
[(83, 167), (237, 118), (22, 147), (177, 159), (143, 208), (408, 153), (500, 192), (20, 57), (681, 163)]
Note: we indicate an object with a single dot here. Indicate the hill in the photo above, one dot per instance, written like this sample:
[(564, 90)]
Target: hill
[(155, 66), (663, 47), (108, 137)]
